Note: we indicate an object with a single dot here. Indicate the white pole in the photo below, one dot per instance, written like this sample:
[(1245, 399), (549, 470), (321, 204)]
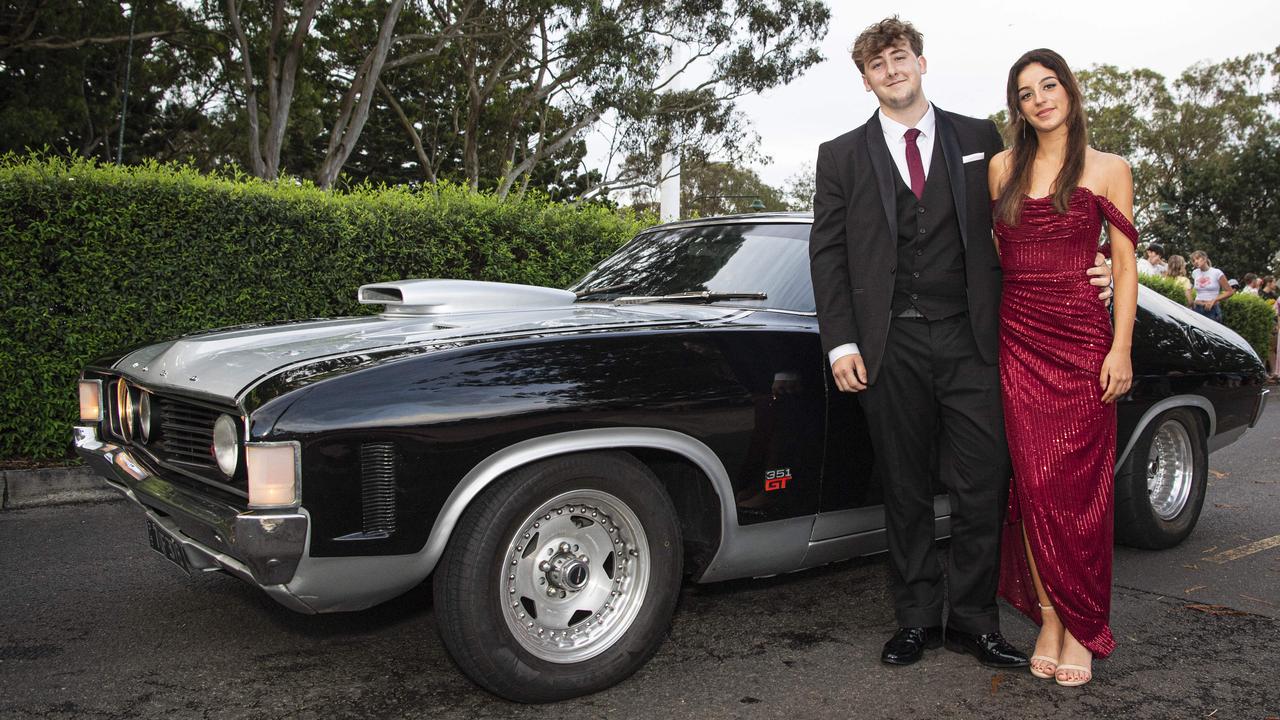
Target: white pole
[(669, 166), (669, 192)]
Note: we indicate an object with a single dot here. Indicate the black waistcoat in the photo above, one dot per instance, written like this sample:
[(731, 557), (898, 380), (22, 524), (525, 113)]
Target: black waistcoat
[(930, 272)]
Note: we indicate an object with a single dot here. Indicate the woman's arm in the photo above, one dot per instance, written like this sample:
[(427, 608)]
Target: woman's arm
[(1117, 369), (997, 175), (1225, 287)]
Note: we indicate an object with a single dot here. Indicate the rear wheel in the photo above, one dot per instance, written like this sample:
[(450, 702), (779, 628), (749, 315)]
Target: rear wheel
[(561, 578), (1161, 487)]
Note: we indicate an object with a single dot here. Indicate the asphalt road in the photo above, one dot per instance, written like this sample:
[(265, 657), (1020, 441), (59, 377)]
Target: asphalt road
[(93, 624)]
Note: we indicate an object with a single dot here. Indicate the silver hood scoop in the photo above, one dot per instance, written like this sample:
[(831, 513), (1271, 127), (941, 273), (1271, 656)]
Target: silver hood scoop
[(441, 297), (228, 363)]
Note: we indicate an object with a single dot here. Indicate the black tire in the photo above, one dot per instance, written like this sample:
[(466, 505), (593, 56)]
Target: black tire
[(1139, 520), (475, 624)]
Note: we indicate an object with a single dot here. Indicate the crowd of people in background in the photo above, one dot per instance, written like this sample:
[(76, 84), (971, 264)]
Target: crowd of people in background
[(1206, 287)]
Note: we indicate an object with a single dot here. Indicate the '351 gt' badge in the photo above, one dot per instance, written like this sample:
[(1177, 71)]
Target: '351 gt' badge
[(777, 479)]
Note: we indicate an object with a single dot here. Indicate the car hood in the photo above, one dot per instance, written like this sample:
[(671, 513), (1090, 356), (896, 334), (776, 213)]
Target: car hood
[(226, 363)]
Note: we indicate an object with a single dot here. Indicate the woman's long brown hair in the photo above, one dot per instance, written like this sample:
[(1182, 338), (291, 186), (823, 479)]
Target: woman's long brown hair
[(1025, 140)]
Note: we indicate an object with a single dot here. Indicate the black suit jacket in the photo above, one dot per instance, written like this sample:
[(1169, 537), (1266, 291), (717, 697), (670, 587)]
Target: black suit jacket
[(853, 246)]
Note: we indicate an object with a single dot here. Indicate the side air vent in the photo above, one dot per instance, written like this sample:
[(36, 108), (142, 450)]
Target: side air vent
[(378, 489)]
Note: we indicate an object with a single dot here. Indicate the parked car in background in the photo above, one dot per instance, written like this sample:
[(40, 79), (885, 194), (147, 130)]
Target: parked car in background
[(559, 460)]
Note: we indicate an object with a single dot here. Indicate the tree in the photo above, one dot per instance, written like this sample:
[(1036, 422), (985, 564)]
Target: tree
[(499, 94), (530, 77), (1202, 148), (799, 188), (64, 66), (718, 188), (286, 39), (430, 122), (1228, 206)]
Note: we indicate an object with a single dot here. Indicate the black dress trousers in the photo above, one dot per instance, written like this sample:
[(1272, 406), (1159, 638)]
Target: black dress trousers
[(935, 394)]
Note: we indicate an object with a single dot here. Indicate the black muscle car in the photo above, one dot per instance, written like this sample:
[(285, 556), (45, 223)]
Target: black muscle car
[(558, 460)]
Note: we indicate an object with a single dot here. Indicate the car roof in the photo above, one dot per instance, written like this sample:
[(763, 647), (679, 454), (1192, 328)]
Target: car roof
[(753, 218)]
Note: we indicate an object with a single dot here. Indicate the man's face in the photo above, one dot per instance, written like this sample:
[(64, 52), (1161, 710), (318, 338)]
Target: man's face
[(1154, 258), (893, 75)]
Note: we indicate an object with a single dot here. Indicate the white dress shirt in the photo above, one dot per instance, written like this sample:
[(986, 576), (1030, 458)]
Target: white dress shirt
[(895, 137)]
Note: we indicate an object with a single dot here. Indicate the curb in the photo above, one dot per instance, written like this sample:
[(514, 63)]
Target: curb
[(52, 486)]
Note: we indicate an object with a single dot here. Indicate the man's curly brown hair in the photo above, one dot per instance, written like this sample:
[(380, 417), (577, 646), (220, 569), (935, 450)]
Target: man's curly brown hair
[(884, 34)]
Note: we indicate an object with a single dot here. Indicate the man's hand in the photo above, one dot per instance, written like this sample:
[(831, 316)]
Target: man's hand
[(1100, 276), (850, 373)]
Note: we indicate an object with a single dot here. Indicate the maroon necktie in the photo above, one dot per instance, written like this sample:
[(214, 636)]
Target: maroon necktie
[(914, 166)]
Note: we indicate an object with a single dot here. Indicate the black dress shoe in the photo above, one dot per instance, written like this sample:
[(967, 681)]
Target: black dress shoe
[(908, 644), (991, 649)]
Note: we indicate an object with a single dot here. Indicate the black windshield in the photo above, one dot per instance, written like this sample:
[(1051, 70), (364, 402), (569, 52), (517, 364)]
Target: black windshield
[(768, 258)]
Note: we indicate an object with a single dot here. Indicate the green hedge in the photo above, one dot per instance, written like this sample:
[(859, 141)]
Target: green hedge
[(1165, 286), (97, 258), (1253, 318)]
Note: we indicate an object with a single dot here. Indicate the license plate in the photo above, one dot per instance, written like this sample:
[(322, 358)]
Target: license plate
[(164, 544)]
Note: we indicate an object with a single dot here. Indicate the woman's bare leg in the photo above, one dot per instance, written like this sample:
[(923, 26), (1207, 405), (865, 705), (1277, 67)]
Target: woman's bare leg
[(1055, 640), (1049, 642)]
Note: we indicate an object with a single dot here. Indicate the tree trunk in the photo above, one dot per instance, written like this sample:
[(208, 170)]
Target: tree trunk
[(250, 92), (281, 78), (346, 131), (428, 167)]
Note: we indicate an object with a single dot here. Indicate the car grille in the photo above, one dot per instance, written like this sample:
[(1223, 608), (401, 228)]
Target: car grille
[(186, 432), (184, 442), (181, 440)]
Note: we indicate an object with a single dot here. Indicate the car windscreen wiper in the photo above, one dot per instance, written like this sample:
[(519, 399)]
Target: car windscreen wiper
[(603, 289), (702, 296)]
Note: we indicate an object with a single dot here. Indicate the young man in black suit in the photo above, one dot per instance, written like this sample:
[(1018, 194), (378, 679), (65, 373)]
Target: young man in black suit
[(907, 283)]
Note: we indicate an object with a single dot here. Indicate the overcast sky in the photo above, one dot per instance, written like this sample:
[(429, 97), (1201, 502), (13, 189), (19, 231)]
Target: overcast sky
[(970, 46)]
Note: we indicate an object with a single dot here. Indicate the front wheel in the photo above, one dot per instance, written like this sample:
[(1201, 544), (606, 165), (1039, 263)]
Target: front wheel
[(1161, 487), (561, 578)]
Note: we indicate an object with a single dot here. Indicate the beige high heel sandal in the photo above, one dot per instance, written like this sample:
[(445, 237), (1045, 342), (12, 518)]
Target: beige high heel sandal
[(1052, 674), (1086, 670)]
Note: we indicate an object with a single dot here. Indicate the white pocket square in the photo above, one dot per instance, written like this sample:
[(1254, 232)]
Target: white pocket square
[(971, 158)]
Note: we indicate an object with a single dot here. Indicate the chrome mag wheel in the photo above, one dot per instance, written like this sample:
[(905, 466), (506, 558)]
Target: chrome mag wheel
[(1170, 469), (575, 576)]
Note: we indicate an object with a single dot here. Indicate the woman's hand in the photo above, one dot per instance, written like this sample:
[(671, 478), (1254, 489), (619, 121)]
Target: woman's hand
[(1117, 375)]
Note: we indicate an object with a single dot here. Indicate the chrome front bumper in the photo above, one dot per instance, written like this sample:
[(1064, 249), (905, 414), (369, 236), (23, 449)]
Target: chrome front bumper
[(263, 548), (1261, 407)]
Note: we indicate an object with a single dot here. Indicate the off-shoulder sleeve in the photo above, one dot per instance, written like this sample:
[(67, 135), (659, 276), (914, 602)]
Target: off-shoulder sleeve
[(1117, 218)]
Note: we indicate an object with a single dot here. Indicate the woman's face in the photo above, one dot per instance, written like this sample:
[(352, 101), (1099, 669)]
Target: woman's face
[(1201, 262), (1041, 98)]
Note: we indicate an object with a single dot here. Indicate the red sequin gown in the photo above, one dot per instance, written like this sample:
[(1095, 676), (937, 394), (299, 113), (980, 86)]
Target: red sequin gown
[(1054, 336)]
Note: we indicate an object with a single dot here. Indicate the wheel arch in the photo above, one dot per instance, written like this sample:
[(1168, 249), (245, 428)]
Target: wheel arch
[(672, 456), (1197, 403)]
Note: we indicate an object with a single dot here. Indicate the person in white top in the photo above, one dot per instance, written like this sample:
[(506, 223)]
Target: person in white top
[(1211, 287), (1155, 260), (1251, 284)]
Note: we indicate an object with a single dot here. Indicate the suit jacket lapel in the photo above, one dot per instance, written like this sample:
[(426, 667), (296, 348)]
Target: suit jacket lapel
[(955, 169), (882, 163)]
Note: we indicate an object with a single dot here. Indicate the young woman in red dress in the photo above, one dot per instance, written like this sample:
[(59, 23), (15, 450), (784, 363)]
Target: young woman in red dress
[(1063, 363)]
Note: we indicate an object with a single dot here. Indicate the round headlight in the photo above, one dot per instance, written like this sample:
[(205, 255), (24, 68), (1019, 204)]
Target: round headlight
[(124, 409), (144, 415), (226, 444)]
